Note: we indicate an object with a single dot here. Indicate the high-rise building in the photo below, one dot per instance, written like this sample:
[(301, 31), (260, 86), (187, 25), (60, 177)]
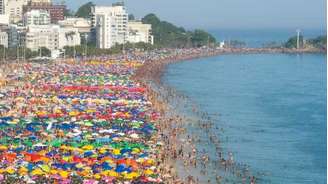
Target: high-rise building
[(110, 23), (15, 34), (139, 32), (2, 7), (14, 9), (36, 17), (4, 19), (56, 11)]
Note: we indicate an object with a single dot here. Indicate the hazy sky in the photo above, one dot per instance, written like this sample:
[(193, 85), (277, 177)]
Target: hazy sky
[(216, 14)]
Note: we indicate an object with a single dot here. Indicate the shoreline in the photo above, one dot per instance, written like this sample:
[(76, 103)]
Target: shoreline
[(152, 72), (158, 64), (176, 144)]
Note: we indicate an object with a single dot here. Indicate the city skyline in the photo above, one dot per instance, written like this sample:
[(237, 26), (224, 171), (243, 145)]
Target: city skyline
[(289, 14)]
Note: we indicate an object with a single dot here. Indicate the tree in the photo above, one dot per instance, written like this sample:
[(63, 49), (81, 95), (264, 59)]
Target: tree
[(85, 10), (68, 13), (167, 34), (292, 42), (131, 17), (200, 38), (45, 52), (31, 54), (151, 19), (318, 42)]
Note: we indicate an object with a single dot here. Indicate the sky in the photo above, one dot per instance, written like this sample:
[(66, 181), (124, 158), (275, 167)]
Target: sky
[(228, 14)]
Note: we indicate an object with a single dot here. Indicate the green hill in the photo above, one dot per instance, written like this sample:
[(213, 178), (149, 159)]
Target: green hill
[(85, 10), (168, 35)]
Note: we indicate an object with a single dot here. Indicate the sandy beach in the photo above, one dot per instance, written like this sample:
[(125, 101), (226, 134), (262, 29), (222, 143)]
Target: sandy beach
[(106, 119)]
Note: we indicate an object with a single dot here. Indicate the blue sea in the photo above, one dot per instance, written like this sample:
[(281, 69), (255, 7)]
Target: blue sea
[(261, 37), (272, 109)]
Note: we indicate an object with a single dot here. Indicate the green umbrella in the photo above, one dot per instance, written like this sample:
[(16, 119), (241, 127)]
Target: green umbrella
[(56, 143)]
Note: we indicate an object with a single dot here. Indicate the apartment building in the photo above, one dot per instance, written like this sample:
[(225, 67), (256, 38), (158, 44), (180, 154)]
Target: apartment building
[(139, 32), (110, 23), (36, 17)]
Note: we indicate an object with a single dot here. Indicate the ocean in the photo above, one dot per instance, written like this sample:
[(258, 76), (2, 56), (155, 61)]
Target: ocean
[(261, 37), (272, 110)]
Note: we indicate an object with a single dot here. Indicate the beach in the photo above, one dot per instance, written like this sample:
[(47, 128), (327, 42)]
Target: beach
[(264, 106), (223, 163), (104, 119)]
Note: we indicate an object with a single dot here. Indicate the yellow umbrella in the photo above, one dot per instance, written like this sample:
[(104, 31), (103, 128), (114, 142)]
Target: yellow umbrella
[(3, 147), (37, 172), (116, 151), (97, 176), (10, 170), (22, 171), (63, 174), (149, 172), (54, 171), (87, 147), (45, 168), (131, 175), (135, 150), (112, 173)]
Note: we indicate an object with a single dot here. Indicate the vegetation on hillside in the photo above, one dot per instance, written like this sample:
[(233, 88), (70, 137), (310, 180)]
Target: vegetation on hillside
[(292, 42), (68, 13), (131, 17), (318, 42), (168, 35), (85, 10)]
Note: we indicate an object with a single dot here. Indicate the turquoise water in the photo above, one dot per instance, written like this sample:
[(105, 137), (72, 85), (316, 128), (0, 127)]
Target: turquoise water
[(272, 109)]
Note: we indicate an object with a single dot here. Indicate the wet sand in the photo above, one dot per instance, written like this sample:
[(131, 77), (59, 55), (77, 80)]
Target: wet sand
[(180, 159), (184, 163)]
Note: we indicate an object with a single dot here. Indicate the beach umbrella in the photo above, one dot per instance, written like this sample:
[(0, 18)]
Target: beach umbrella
[(116, 151), (56, 143), (120, 168), (37, 172), (39, 145), (45, 168)]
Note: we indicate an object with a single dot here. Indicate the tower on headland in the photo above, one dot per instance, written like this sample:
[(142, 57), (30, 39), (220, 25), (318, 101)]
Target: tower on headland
[(298, 31)]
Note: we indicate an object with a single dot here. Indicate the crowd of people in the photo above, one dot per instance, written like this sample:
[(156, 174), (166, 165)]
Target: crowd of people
[(76, 121), (94, 120), (192, 139)]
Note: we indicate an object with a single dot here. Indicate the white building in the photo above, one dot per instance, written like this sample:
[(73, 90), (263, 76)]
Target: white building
[(42, 36), (2, 6), (41, 1), (69, 37), (111, 24), (14, 8), (52, 37), (4, 19), (36, 17), (222, 44), (82, 24), (4, 39), (139, 32)]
